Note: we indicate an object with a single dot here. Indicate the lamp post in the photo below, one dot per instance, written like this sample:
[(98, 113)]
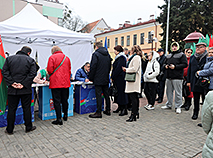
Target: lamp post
[(167, 27), (151, 39)]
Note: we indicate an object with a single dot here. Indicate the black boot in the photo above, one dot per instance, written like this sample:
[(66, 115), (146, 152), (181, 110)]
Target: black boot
[(195, 116), (189, 103), (57, 122), (117, 110), (123, 112), (137, 115), (107, 112), (132, 118)]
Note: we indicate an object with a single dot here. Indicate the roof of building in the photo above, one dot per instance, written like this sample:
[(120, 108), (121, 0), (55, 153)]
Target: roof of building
[(89, 27), (125, 26)]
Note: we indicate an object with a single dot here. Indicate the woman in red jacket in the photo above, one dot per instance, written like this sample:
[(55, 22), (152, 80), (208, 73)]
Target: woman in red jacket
[(187, 99), (59, 68)]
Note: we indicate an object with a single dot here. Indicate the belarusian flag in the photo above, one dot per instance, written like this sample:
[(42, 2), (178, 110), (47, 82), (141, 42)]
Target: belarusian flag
[(3, 87)]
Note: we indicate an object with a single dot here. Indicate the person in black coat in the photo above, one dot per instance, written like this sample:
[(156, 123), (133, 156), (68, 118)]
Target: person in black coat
[(19, 71), (118, 80), (100, 66), (161, 83), (196, 63)]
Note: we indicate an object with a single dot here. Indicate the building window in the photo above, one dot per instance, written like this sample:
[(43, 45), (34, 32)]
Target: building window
[(150, 37), (128, 41), (60, 22), (142, 38), (122, 41), (108, 43), (135, 39), (116, 41)]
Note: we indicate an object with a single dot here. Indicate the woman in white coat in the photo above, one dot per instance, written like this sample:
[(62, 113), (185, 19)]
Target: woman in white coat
[(151, 83), (133, 88)]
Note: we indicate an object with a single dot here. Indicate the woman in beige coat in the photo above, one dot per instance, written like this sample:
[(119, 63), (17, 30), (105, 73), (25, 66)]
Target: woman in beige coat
[(133, 88)]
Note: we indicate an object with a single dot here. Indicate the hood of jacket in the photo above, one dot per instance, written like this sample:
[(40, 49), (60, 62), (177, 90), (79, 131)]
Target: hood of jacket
[(155, 56), (103, 51), (178, 47), (209, 59)]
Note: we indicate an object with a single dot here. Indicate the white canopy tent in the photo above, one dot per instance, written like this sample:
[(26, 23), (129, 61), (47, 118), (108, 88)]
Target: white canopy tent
[(30, 28)]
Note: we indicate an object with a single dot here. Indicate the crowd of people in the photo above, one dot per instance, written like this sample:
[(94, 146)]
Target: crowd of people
[(132, 72)]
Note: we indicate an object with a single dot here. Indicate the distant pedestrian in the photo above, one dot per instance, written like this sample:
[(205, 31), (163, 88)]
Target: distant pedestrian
[(187, 99), (100, 66), (174, 65), (133, 88), (118, 80), (59, 68), (161, 84), (196, 63), (19, 71), (151, 83)]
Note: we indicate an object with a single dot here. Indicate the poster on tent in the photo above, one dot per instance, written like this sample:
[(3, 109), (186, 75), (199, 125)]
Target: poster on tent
[(46, 107), (19, 113)]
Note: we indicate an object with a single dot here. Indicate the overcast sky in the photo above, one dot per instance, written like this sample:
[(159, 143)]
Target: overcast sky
[(114, 12)]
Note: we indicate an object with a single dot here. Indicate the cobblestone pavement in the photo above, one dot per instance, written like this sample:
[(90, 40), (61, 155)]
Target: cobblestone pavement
[(157, 134)]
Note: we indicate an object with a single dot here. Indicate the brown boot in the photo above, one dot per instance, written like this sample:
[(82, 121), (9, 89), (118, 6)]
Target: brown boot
[(95, 115)]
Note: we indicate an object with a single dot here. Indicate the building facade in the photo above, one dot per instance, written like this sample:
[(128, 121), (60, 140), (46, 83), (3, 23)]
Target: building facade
[(128, 35), (96, 27), (51, 9)]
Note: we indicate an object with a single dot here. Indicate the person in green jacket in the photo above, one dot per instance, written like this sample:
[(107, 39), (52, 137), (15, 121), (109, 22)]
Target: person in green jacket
[(207, 120)]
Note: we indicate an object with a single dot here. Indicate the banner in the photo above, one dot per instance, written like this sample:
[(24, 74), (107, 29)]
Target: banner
[(3, 87)]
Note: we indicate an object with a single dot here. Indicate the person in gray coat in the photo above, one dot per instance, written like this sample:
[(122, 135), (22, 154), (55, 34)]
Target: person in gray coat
[(207, 119), (208, 70)]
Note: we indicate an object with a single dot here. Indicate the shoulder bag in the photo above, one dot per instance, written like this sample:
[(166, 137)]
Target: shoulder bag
[(58, 66)]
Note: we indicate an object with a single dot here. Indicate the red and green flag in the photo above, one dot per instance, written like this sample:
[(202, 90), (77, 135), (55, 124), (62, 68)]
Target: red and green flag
[(3, 87)]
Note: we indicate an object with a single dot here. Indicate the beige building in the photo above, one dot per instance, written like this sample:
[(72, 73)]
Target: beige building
[(128, 35), (51, 9)]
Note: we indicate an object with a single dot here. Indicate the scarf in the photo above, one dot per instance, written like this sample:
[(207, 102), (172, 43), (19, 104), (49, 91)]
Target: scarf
[(132, 56), (199, 57), (120, 54)]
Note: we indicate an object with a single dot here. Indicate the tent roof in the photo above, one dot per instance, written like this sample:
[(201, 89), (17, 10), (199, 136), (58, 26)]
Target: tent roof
[(29, 26)]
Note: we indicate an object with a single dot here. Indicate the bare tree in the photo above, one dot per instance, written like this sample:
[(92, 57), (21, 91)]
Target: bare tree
[(71, 21)]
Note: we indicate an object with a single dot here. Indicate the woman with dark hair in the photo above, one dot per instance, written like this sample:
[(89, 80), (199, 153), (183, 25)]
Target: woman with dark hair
[(133, 88), (118, 80)]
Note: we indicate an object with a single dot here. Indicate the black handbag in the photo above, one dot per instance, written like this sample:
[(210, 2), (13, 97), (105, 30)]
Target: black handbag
[(185, 89), (113, 91), (203, 82)]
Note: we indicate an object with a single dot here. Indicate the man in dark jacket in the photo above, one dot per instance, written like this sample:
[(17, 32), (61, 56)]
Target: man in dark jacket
[(82, 74), (161, 84), (99, 75), (196, 63), (19, 71), (175, 63)]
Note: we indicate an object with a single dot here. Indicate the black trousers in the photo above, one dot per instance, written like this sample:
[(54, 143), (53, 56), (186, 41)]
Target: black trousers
[(196, 96), (98, 92), (13, 101), (134, 101), (150, 92), (60, 96), (160, 89)]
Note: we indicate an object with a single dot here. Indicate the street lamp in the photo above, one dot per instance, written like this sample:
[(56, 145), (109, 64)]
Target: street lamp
[(151, 39)]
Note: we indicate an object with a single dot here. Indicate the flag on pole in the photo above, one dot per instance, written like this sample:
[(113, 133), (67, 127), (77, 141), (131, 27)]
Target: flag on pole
[(105, 43), (3, 87), (36, 57)]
